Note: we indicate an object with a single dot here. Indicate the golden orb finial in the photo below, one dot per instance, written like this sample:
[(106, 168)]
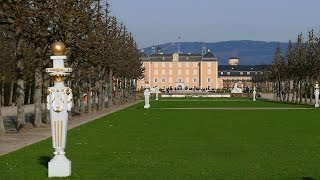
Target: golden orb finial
[(58, 48)]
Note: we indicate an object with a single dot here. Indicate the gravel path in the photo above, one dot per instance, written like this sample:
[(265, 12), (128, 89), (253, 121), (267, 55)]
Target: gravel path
[(13, 141)]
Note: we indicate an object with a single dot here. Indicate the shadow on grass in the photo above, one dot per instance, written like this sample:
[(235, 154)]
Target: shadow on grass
[(308, 178), (44, 160)]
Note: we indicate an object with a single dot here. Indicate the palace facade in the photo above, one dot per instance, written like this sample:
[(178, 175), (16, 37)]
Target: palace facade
[(196, 71), (180, 71)]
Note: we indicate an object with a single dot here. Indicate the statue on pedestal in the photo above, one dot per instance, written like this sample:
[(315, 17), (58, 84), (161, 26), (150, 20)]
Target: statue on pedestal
[(236, 89), (156, 90), (146, 93)]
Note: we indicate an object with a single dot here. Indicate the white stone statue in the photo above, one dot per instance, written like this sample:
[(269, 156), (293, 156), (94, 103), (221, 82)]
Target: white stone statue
[(157, 92), (316, 94), (254, 93), (236, 89), (147, 93)]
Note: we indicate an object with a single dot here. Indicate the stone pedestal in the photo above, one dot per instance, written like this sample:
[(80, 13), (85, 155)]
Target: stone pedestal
[(59, 166)]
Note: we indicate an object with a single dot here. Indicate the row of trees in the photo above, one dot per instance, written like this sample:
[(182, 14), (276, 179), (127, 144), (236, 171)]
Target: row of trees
[(295, 72), (102, 53)]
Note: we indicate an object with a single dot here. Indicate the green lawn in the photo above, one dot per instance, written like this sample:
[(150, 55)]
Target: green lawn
[(136, 143)]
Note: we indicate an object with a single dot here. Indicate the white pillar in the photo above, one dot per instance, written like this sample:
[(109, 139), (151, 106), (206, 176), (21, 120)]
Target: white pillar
[(59, 101), (316, 94)]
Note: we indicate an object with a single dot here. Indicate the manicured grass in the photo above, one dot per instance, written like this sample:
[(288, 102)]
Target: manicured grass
[(136, 143), (218, 102)]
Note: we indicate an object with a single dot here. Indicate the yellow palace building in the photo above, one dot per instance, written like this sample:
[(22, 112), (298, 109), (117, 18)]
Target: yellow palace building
[(180, 71)]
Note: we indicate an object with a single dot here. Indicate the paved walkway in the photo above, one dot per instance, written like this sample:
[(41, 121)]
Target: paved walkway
[(13, 141)]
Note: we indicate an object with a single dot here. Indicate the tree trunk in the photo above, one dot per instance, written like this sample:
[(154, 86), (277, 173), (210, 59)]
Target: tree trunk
[(102, 96), (2, 92), (305, 91), (89, 99), (11, 94), (46, 84), (20, 85), (2, 129), (293, 91), (82, 101), (110, 93), (37, 97), (300, 92)]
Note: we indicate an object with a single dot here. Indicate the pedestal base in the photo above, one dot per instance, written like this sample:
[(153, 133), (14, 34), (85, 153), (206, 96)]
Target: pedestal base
[(316, 105), (59, 166), (147, 106)]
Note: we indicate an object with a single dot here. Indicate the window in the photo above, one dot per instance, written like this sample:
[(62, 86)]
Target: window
[(170, 72), (194, 80), (163, 71), (163, 80), (179, 72), (179, 64), (195, 72), (163, 64), (155, 80), (209, 64), (187, 80), (187, 71), (155, 72), (187, 64), (209, 71), (155, 64), (180, 80), (170, 65), (195, 64), (170, 79), (209, 80)]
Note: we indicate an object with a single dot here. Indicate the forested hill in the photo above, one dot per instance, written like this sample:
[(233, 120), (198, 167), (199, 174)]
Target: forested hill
[(249, 52)]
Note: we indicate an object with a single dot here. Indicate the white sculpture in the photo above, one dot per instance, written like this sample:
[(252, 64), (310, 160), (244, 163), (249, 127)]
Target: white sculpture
[(59, 101), (147, 96), (236, 89), (316, 94), (157, 93), (254, 93)]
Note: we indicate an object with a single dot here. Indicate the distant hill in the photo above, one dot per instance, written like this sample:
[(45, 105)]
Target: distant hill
[(249, 52)]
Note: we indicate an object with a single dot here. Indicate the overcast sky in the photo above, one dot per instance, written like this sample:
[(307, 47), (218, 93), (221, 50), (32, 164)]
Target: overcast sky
[(162, 21)]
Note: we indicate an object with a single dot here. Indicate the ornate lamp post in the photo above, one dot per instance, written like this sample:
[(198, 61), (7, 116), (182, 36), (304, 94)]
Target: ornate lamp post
[(254, 93), (316, 94), (147, 95), (59, 101)]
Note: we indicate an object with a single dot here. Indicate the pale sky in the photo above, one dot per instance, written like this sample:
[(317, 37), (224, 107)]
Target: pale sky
[(162, 21)]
